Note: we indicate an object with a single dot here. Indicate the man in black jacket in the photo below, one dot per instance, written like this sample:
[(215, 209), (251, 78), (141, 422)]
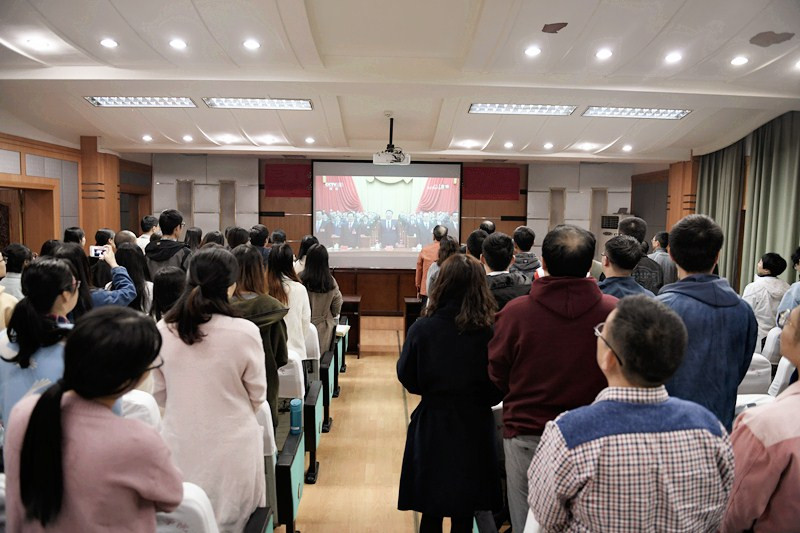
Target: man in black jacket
[(647, 273), (168, 251), (497, 256)]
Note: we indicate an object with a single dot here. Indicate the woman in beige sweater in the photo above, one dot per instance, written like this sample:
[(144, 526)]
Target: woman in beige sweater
[(323, 293)]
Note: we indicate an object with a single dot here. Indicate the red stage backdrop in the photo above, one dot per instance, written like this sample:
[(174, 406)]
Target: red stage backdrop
[(339, 194), (287, 181), (440, 194), (490, 183)]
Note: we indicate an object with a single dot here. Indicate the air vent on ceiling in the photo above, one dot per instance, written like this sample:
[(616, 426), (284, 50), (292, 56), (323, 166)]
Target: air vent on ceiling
[(554, 27), (293, 156), (768, 38)]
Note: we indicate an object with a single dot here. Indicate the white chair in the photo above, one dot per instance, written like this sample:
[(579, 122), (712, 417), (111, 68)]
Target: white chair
[(290, 378), (758, 377), (312, 351), (746, 401), (194, 514), (531, 525), (264, 417), (782, 376), (140, 405), (772, 346), (497, 413), (2, 502)]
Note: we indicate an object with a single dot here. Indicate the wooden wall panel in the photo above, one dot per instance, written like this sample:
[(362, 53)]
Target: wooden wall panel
[(42, 216), (11, 198), (382, 291), (682, 196)]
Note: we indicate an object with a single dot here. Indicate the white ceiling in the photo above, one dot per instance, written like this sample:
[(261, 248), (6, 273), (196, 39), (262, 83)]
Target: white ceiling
[(424, 61)]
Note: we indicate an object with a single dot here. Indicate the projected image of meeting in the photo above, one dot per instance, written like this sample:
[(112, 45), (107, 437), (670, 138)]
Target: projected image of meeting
[(383, 221)]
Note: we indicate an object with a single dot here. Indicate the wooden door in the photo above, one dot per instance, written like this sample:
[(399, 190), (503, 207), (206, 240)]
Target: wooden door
[(10, 217)]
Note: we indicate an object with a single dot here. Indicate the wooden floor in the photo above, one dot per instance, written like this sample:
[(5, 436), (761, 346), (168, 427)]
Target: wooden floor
[(360, 458)]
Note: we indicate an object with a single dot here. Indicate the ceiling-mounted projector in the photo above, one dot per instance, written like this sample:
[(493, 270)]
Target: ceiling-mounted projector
[(393, 155)]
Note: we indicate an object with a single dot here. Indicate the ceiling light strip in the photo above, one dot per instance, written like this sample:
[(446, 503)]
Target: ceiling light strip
[(523, 109), (636, 112), (280, 104), (140, 101)]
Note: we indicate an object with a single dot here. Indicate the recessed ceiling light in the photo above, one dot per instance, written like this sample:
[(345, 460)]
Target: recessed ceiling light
[(187, 138), (586, 146), (310, 140), (548, 146), (627, 148), (533, 51), (797, 65), (283, 104), (522, 109), (109, 43), (178, 44), (268, 139), (147, 138), (636, 112), (469, 143), (227, 138), (509, 144), (251, 44), (604, 53), (37, 43), (140, 101), (673, 57), (739, 61)]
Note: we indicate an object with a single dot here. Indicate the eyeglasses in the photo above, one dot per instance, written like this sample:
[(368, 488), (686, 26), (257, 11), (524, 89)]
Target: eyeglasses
[(598, 332), (159, 364), (783, 318)]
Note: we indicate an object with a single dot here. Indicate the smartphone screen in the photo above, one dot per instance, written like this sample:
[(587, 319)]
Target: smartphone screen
[(96, 251)]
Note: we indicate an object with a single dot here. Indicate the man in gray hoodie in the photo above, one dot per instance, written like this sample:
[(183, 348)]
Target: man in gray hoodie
[(525, 261)]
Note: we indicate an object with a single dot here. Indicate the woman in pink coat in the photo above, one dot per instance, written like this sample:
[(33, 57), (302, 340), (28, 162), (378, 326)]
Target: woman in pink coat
[(212, 382)]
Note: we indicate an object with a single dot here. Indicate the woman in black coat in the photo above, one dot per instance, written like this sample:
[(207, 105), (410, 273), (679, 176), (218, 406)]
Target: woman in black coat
[(449, 465)]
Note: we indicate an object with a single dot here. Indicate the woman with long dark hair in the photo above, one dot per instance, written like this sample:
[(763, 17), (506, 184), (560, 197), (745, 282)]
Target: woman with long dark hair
[(122, 290), (323, 294), (214, 365), (72, 464), (168, 286), (215, 237), (447, 246), (285, 286), (449, 465), (305, 244), (31, 349), (253, 302), (193, 237), (131, 257)]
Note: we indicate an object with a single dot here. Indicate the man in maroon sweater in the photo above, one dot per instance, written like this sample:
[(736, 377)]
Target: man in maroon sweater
[(543, 353)]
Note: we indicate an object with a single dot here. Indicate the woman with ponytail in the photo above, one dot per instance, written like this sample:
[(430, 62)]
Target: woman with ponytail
[(211, 385), (285, 286), (31, 349), (73, 465)]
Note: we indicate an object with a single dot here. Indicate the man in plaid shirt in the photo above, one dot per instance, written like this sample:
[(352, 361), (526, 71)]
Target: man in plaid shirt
[(635, 459)]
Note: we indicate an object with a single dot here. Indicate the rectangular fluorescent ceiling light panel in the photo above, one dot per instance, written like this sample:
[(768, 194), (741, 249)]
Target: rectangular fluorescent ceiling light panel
[(280, 104), (522, 109), (140, 101), (636, 112)]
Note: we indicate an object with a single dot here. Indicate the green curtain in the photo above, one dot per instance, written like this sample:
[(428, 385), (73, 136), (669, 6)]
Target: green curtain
[(773, 195), (719, 195)]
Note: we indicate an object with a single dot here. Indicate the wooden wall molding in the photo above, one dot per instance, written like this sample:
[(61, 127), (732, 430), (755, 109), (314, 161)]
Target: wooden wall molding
[(30, 146)]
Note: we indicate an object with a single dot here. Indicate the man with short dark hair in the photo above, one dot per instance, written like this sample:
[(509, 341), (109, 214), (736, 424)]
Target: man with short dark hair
[(475, 243), (388, 230), (766, 443), (487, 226), (124, 236), (621, 255), (765, 292), (149, 225), (542, 355), (525, 261), (259, 235), (497, 256), (18, 257), (660, 255), (635, 459), (647, 273), (76, 235), (168, 250), (278, 236), (427, 256), (722, 328)]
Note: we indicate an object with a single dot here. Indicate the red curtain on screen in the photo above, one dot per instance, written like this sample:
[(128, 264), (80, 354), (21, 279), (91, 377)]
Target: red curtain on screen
[(287, 181), (338, 194), (490, 183), (440, 194)]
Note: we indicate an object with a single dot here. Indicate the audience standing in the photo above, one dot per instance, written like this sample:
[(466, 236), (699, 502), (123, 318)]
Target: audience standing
[(214, 237), (168, 250), (76, 235), (236, 236), (300, 263), (49, 246), (622, 254), (791, 299), (766, 443), (222, 450), (660, 255), (253, 302), (525, 261), (636, 459), (286, 287), (7, 302), (193, 238), (447, 246), (259, 235), (124, 236), (277, 237), (427, 256), (17, 258), (765, 292), (647, 273), (149, 225), (130, 256), (475, 243), (31, 347), (543, 353), (722, 328), (72, 464), (487, 226), (497, 256), (324, 295), (449, 466), (168, 286)]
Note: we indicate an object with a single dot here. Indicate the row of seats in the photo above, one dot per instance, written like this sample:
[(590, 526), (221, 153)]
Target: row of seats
[(759, 386)]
